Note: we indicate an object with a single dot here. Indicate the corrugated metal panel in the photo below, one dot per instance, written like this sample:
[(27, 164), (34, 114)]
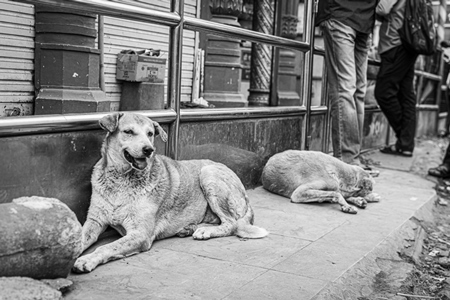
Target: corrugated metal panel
[(125, 34), (16, 58)]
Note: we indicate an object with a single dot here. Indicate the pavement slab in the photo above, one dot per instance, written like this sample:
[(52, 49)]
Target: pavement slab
[(314, 251)]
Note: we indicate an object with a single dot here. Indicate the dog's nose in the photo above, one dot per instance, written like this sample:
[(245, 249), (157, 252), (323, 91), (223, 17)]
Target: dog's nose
[(147, 150)]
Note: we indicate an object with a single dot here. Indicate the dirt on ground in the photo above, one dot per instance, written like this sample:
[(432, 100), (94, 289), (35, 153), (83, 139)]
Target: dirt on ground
[(430, 275), (430, 278)]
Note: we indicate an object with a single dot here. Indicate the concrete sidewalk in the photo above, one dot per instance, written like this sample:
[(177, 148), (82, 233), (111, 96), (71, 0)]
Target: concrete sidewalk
[(314, 251)]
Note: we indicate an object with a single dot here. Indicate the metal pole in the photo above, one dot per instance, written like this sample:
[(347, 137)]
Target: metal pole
[(175, 61), (311, 10), (442, 18), (326, 125), (101, 47), (273, 99)]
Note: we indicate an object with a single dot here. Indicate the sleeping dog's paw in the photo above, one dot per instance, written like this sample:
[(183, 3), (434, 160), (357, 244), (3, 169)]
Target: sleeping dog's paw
[(349, 209), (373, 197), (358, 201), (202, 233), (84, 264)]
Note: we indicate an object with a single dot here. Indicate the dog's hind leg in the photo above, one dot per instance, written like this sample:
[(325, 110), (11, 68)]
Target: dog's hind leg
[(227, 199), (210, 219), (315, 192), (190, 229)]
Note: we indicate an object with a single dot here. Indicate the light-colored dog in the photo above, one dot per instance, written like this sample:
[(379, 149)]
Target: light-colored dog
[(146, 197), (311, 176)]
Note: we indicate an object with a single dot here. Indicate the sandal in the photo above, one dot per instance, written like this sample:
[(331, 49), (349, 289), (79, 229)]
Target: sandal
[(394, 151), (441, 171)]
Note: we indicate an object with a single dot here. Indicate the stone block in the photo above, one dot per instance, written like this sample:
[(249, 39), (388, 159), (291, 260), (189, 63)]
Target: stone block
[(41, 238)]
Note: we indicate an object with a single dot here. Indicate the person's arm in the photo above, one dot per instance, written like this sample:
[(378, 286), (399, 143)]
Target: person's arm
[(384, 7)]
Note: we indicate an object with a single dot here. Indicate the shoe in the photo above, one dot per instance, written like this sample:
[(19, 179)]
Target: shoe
[(441, 171), (394, 151)]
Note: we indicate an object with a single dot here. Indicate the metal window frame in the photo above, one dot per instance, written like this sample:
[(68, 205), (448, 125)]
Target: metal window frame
[(175, 19)]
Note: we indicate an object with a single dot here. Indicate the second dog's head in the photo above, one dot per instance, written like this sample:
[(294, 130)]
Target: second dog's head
[(130, 139), (365, 183)]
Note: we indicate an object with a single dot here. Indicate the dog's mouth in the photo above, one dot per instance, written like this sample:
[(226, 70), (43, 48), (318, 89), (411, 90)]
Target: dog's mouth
[(135, 162)]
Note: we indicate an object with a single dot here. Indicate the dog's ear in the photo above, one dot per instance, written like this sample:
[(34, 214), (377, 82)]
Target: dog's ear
[(159, 131), (110, 122)]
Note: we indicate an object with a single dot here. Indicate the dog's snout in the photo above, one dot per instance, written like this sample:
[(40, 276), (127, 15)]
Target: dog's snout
[(147, 150)]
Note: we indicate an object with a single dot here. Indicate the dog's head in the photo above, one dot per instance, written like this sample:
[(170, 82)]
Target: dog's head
[(365, 184), (130, 139)]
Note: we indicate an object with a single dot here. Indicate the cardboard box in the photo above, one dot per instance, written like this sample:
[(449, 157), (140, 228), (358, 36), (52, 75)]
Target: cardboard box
[(140, 68)]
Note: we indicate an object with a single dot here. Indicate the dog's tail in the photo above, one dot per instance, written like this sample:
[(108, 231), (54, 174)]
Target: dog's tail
[(245, 229)]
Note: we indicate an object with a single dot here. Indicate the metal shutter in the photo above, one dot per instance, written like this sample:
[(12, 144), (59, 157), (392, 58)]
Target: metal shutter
[(122, 34), (16, 58)]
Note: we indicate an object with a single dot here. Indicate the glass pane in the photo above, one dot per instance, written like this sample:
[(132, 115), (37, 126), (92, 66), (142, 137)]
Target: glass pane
[(229, 72), (290, 77), (318, 81), (135, 59), (258, 15)]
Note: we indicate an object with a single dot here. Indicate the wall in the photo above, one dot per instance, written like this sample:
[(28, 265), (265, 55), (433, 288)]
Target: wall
[(243, 145), (59, 165)]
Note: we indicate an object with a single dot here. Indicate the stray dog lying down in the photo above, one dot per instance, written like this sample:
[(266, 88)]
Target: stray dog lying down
[(146, 197), (312, 176)]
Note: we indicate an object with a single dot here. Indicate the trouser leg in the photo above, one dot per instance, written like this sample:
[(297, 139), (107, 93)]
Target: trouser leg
[(395, 95), (346, 59)]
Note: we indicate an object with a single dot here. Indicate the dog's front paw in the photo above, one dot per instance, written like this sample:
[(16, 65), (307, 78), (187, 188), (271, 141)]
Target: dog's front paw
[(84, 264), (358, 201), (202, 234), (349, 209), (373, 197)]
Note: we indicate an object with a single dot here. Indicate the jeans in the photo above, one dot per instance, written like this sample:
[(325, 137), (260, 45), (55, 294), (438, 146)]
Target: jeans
[(346, 52), (395, 94)]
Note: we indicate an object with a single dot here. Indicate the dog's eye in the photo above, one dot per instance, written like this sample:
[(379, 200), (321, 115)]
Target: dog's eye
[(150, 134), (128, 131)]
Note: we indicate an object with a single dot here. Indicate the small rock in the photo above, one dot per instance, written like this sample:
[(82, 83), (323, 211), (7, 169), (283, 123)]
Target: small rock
[(444, 253), (444, 262), (443, 246), (442, 202), (24, 288), (444, 294), (434, 253), (60, 284), (433, 288)]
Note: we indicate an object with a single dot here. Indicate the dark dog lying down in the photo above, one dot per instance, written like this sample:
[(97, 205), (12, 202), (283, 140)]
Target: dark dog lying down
[(145, 196), (311, 176)]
